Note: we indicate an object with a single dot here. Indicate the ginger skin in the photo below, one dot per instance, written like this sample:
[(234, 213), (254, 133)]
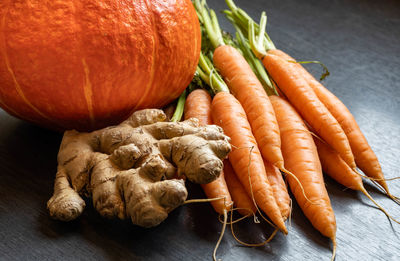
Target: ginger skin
[(130, 169)]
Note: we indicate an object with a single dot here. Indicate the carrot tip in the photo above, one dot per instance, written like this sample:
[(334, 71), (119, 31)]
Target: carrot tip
[(385, 190), (334, 249), (374, 179), (285, 231), (379, 206), (394, 198)]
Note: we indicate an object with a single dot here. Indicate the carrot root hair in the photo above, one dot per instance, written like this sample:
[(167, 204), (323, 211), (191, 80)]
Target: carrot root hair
[(363, 190), (290, 213), (250, 244), (202, 200), (334, 249), (239, 219), (287, 172), (394, 198), (221, 236), (379, 186), (374, 179), (386, 192)]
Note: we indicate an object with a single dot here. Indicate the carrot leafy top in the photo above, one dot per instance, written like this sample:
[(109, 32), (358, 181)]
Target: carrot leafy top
[(208, 20), (260, 41), (208, 74)]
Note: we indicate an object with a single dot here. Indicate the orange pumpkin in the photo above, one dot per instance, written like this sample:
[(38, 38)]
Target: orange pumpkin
[(86, 64)]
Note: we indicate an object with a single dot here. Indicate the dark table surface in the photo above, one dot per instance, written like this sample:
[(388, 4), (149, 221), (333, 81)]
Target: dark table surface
[(359, 40)]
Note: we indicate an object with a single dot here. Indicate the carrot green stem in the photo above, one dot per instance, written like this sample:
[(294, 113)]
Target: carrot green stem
[(209, 20), (259, 40), (258, 50), (255, 63), (263, 24), (207, 73), (180, 105), (242, 19), (231, 5)]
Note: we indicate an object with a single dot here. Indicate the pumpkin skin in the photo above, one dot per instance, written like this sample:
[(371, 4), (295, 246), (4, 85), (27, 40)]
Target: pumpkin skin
[(87, 64)]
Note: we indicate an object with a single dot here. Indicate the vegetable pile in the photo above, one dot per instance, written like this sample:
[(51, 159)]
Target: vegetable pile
[(278, 126)]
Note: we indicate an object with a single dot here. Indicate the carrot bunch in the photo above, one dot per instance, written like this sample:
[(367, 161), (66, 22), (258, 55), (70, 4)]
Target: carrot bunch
[(281, 120), (322, 110)]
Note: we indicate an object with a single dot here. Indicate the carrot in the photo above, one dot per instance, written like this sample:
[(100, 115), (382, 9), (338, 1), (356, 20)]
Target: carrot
[(245, 86), (242, 201), (301, 158), (309, 106), (337, 168), (364, 156), (198, 105), (245, 156), (279, 188)]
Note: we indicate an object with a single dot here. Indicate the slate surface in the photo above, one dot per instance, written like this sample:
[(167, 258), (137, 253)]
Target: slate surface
[(359, 41)]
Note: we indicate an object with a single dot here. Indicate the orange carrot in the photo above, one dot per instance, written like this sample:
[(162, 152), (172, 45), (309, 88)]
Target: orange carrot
[(364, 156), (337, 168), (198, 105), (279, 188), (246, 87), (241, 200), (245, 156), (302, 96), (301, 158)]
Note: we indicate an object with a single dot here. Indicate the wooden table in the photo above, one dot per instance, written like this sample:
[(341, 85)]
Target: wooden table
[(359, 41)]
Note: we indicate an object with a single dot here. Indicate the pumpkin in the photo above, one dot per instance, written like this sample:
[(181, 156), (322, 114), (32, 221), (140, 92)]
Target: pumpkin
[(87, 64)]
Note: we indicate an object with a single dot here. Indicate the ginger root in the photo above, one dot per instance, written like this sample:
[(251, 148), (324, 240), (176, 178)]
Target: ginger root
[(130, 169)]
